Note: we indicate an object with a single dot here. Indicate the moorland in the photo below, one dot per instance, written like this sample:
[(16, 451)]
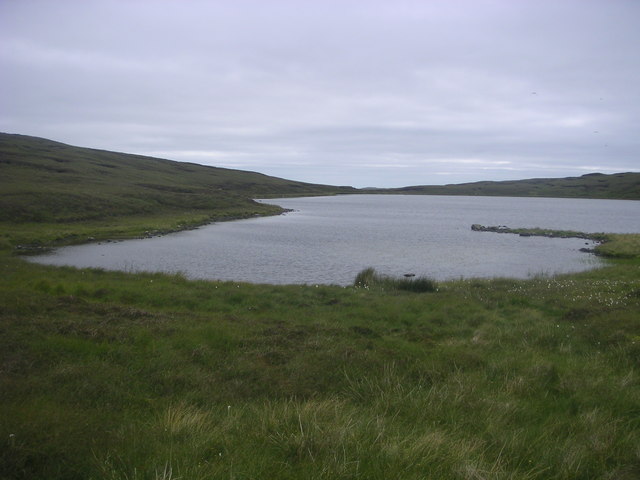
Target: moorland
[(152, 376), (591, 185)]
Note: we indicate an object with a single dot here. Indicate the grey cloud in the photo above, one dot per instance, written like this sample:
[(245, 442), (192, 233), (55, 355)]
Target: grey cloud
[(338, 92)]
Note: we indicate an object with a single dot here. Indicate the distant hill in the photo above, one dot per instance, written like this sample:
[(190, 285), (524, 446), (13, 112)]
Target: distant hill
[(624, 186), (46, 181)]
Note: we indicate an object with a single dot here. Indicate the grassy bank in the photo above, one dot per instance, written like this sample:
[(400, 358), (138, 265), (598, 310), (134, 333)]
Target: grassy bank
[(57, 194), (149, 376), (32, 237), (611, 245)]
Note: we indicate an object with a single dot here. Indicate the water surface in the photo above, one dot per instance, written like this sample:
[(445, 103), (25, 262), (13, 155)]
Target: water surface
[(329, 240)]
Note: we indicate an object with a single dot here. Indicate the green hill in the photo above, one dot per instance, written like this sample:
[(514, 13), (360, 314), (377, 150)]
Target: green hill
[(44, 180), (624, 186), (56, 194)]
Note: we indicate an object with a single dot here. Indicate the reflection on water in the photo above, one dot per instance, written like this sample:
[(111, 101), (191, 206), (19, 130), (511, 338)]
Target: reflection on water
[(330, 239)]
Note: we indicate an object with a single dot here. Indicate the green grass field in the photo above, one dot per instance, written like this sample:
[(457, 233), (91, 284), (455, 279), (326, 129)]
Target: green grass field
[(109, 375)]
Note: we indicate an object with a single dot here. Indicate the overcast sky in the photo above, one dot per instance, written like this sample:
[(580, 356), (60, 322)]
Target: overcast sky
[(346, 92)]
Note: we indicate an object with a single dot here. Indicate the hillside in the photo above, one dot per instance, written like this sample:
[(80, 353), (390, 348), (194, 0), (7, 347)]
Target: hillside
[(624, 186), (47, 181)]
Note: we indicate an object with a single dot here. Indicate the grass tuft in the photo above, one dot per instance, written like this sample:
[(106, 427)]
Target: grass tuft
[(369, 278)]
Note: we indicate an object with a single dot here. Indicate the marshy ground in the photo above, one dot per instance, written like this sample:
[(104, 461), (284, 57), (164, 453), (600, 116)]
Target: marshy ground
[(136, 376)]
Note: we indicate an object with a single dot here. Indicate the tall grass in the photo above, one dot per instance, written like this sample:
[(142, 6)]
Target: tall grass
[(369, 278), (151, 376)]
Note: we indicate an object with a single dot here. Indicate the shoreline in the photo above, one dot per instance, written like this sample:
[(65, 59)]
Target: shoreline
[(94, 236), (599, 238)]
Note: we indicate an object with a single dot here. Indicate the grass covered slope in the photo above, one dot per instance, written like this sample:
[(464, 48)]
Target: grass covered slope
[(44, 180), (625, 186), (108, 375), (66, 187)]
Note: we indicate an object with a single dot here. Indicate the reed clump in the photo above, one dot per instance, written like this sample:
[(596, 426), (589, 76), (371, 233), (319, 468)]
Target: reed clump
[(369, 278)]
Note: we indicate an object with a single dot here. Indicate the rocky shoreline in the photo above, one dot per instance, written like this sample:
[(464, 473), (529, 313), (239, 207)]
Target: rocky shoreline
[(542, 232)]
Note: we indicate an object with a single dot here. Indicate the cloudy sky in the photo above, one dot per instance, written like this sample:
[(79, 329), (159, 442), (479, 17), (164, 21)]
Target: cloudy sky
[(347, 92)]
